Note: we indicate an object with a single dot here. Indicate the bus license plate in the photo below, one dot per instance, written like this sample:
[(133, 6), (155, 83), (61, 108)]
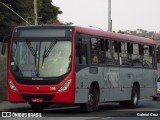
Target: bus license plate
[(37, 99)]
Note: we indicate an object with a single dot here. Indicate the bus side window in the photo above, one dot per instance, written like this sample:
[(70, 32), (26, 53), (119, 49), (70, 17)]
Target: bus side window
[(97, 51), (147, 57), (130, 48), (125, 57), (111, 52), (137, 55), (81, 52), (141, 49), (152, 53), (116, 46), (115, 55), (107, 53)]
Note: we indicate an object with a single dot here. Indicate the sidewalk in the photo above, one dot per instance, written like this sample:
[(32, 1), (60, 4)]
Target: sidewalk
[(7, 106)]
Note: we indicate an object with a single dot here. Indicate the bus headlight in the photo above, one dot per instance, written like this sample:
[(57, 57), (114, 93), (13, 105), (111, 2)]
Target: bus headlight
[(12, 86), (65, 86)]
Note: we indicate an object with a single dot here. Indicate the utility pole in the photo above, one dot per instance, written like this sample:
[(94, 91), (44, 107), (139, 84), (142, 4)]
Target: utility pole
[(35, 12), (109, 16)]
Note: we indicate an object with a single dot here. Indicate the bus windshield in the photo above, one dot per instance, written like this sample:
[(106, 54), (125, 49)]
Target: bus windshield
[(41, 58)]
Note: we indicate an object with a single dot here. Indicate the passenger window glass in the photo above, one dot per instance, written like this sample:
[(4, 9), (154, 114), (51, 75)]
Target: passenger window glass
[(97, 51), (136, 57), (147, 57), (152, 53), (81, 51), (95, 44), (111, 52), (125, 57)]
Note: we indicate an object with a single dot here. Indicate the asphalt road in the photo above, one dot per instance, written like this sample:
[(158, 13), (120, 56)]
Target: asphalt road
[(148, 109)]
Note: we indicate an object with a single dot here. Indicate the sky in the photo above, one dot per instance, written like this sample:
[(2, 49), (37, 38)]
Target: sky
[(125, 14)]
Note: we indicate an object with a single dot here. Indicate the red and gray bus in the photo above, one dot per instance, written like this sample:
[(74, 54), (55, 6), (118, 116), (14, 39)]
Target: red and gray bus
[(60, 64)]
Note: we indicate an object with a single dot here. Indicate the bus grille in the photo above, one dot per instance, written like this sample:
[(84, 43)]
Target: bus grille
[(45, 97)]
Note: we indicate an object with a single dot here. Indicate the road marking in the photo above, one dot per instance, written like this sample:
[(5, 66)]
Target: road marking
[(107, 118)]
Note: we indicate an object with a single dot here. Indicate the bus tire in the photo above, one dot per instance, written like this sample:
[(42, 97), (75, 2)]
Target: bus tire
[(37, 108), (154, 98), (123, 104), (133, 103), (92, 104)]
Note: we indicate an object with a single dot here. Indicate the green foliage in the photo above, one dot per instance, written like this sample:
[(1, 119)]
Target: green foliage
[(25, 8), (48, 12)]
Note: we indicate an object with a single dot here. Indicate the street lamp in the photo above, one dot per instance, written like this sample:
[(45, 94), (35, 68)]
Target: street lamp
[(15, 12)]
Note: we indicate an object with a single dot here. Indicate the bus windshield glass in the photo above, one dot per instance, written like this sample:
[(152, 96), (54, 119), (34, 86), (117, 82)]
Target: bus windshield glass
[(41, 58)]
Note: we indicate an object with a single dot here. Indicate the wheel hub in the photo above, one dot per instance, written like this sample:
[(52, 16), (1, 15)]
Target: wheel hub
[(90, 99)]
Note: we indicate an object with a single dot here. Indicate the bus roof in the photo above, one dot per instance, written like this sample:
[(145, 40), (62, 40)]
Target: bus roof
[(100, 33), (114, 35)]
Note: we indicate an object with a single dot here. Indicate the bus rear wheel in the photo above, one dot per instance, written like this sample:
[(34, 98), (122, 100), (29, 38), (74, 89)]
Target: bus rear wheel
[(92, 104), (133, 103)]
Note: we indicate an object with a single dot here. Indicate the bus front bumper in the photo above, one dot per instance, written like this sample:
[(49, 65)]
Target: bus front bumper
[(66, 97)]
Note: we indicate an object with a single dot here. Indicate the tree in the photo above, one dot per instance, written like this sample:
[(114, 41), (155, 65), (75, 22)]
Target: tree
[(48, 12), (25, 8), (7, 19)]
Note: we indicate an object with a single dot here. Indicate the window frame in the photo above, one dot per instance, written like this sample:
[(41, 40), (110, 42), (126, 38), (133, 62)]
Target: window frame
[(129, 51), (100, 50)]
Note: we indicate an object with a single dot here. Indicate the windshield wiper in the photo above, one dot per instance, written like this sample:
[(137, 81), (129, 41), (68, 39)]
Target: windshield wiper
[(31, 48), (33, 52), (48, 50), (35, 60)]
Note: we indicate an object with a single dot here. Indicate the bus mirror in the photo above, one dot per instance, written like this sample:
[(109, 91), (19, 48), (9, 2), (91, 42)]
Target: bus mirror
[(3, 49), (5, 40)]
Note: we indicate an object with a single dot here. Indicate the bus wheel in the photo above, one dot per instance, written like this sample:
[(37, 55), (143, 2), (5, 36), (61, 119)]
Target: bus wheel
[(37, 108), (133, 103), (92, 104), (154, 98), (123, 104)]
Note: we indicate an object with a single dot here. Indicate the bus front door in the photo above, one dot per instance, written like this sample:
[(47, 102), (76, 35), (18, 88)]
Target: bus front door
[(3, 73)]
